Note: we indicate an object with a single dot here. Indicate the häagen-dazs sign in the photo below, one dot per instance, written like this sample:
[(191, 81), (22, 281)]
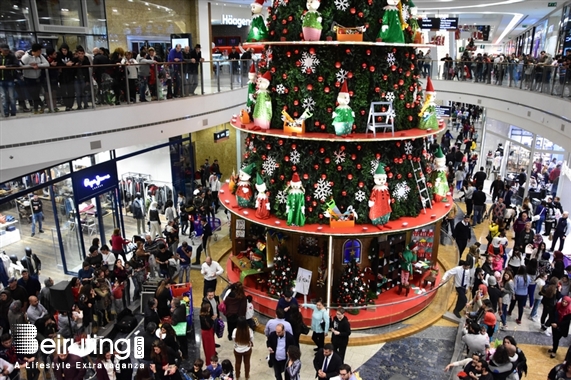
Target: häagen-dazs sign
[(238, 22)]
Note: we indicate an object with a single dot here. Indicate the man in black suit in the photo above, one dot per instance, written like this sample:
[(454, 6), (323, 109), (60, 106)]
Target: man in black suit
[(327, 363), (277, 344), (214, 301), (149, 337), (151, 314)]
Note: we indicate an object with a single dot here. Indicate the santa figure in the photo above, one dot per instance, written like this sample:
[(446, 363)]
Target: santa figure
[(438, 178), (380, 199), (244, 193), (427, 114), (406, 259), (258, 30), (262, 201), (391, 31), (251, 90), (295, 206), (263, 109), (343, 116), (311, 24)]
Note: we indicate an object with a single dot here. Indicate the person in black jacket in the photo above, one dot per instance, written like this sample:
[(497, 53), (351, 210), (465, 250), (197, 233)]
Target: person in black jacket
[(340, 330), (178, 311), (326, 363), (7, 60), (165, 362), (32, 263), (462, 233), (66, 76), (151, 314), (81, 78), (195, 60), (278, 357), (149, 337)]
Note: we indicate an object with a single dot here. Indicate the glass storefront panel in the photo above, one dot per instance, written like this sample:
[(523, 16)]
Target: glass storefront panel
[(109, 216), (68, 226), (15, 15), (59, 12), (17, 41), (60, 170), (96, 17)]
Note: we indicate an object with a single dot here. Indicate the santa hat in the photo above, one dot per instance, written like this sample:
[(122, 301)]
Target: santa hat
[(260, 2), (344, 88), (267, 76), (259, 179), (248, 169), (412, 245), (252, 69), (429, 88), (380, 170), (295, 179), (438, 153)]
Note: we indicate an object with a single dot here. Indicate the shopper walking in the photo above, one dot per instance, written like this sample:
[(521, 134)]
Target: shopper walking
[(560, 320), (277, 344), (154, 220), (319, 323), (462, 234), (210, 269), (340, 331), (462, 279), (37, 213), (521, 282), (243, 338), (236, 306), (293, 366), (562, 228)]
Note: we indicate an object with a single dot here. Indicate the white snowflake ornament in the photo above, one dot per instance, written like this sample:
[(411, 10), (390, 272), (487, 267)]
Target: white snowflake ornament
[(341, 75), (280, 89), (294, 157), (391, 59), (323, 190), (390, 96), (342, 5), (281, 197), (269, 165), (360, 196), (408, 147), (309, 63), (374, 165), (309, 103), (339, 157), (282, 3), (401, 191)]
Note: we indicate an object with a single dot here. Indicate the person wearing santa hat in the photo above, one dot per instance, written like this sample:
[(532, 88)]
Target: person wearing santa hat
[(251, 90), (427, 114), (295, 206), (263, 110), (406, 258), (244, 193), (258, 30), (380, 199), (343, 116)]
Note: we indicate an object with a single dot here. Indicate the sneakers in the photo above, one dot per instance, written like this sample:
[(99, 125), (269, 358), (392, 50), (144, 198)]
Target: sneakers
[(33, 234), (41, 231), (504, 327), (518, 321)]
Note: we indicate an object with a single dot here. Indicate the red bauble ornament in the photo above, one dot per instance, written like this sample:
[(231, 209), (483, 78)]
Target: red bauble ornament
[(309, 87), (298, 63), (310, 209), (407, 74), (308, 198), (323, 176), (281, 142), (284, 31), (337, 65), (362, 112), (264, 157), (387, 168), (296, 89), (393, 68), (294, 168), (353, 157), (400, 160), (246, 155), (401, 82), (320, 79), (296, 51), (268, 147), (409, 117), (305, 176), (293, 146), (352, 10), (349, 177), (286, 158), (349, 75), (314, 204), (361, 184), (321, 150), (344, 193), (390, 175), (316, 123), (327, 160), (364, 65), (284, 22), (326, 90), (347, 51), (401, 96), (329, 109), (399, 176), (339, 168), (316, 166), (295, 102), (377, 89), (395, 86), (372, 69), (337, 84), (359, 166), (320, 216), (407, 105), (378, 156), (272, 181), (361, 14), (295, 114), (284, 76), (282, 177), (323, 127)]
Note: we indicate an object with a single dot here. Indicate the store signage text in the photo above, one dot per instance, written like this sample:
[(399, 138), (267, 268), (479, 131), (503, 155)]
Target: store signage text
[(221, 135), (238, 22), (96, 182)]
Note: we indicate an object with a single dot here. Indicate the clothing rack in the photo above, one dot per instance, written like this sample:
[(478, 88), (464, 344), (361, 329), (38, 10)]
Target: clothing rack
[(130, 184), (163, 192)]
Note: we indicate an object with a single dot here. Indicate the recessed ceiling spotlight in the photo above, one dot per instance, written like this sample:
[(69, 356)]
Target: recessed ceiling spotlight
[(65, 10)]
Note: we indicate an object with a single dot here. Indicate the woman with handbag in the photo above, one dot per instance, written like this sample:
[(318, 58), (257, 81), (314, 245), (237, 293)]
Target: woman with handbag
[(319, 323), (243, 337), (207, 321), (297, 325)]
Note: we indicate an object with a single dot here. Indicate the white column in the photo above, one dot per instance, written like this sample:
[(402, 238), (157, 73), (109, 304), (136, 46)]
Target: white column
[(329, 272), (204, 38)]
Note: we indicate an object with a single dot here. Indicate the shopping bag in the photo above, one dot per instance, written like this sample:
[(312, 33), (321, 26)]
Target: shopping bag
[(219, 328)]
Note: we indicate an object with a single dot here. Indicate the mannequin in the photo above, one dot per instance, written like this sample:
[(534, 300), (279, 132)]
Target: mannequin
[(138, 208), (31, 262)]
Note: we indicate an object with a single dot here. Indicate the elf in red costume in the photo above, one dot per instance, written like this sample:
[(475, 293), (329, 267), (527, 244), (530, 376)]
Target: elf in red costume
[(244, 193), (380, 199), (262, 201)]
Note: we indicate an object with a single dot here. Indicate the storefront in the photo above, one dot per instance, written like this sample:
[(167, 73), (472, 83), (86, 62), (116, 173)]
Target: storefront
[(88, 198), (230, 24), (564, 32)]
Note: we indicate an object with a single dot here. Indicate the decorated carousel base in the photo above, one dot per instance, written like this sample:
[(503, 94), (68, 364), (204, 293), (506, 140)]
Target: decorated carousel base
[(389, 307)]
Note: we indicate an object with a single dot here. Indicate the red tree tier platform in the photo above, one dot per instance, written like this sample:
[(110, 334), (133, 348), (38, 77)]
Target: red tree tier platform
[(438, 211), (385, 136), (389, 307)]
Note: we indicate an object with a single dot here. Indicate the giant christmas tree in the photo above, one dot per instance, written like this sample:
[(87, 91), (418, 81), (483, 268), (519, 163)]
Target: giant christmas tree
[(308, 76), (283, 276)]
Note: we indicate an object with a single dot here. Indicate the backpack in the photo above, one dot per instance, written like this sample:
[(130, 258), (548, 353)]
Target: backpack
[(137, 210)]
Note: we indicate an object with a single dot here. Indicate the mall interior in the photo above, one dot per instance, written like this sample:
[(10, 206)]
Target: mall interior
[(86, 165)]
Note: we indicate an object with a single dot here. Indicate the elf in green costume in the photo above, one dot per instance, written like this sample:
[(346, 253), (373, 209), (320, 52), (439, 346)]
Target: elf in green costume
[(295, 206), (427, 114), (263, 109), (258, 30), (438, 177), (311, 24), (251, 90), (391, 31), (406, 260), (343, 116)]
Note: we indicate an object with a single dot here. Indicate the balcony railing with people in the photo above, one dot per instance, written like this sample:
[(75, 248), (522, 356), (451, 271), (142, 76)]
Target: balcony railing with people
[(95, 86), (554, 80)]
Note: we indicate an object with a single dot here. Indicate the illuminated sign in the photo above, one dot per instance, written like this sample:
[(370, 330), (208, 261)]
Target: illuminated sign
[(434, 23), (443, 111), (94, 180), (221, 135), (238, 22)]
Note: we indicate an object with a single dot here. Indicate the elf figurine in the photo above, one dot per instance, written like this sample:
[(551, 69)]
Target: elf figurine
[(391, 31), (438, 177), (413, 23), (311, 24), (427, 114), (343, 116), (258, 30), (380, 199), (262, 201), (263, 109), (295, 206), (244, 193), (257, 261), (406, 259), (251, 89)]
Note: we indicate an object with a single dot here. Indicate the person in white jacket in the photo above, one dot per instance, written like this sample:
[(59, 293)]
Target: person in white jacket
[(132, 73), (6, 369), (33, 62), (214, 184)]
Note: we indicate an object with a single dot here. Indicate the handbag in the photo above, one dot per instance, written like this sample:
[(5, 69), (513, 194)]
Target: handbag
[(304, 329), (322, 324), (219, 327)]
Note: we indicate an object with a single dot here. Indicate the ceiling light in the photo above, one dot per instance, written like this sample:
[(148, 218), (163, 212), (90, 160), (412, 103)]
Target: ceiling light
[(115, 10), (15, 6), (65, 10)]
